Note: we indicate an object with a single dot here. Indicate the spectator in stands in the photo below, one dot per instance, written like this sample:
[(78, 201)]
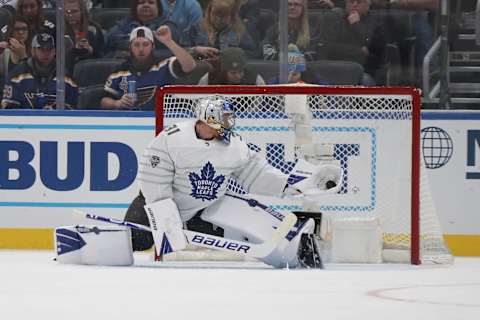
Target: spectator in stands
[(297, 70), (232, 69), (298, 32), (142, 13), (32, 84), (355, 36), (325, 4), (312, 4), (221, 28), (249, 12), (184, 13), (15, 47), (32, 11), (203, 4), (133, 84), (422, 24), (87, 35), (53, 3), (407, 4)]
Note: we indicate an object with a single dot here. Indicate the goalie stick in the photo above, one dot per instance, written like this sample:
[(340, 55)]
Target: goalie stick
[(204, 240)]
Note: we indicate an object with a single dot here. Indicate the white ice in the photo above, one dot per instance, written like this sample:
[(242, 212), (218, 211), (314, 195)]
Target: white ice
[(33, 286)]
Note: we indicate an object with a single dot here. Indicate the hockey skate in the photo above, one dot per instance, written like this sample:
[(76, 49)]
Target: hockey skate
[(308, 252)]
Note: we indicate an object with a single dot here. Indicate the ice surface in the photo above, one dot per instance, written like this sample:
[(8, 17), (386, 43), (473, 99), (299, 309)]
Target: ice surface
[(33, 286)]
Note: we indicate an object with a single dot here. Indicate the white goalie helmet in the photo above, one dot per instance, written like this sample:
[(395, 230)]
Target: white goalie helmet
[(217, 113)]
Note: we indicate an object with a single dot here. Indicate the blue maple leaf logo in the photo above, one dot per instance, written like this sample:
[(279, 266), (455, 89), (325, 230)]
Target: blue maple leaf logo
[(205, 186)]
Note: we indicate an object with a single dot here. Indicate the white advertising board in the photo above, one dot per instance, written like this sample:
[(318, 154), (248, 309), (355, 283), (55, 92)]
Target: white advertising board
[(53, 162), (451, 150)]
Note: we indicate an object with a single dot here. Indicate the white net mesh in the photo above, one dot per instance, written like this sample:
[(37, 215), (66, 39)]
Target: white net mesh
[(371, 138)]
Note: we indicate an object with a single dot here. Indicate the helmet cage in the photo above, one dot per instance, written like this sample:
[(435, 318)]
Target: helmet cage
[(217, 113)]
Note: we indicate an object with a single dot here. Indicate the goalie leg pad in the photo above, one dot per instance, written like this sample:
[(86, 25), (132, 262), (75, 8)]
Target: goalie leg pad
[(166, 226), (94, 245), (286, 254), (243, 218)]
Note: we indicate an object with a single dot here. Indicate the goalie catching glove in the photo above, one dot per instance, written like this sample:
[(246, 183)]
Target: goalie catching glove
[(313, 181)]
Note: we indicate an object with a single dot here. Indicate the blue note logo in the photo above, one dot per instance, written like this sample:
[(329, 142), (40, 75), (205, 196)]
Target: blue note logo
[(206, 185)]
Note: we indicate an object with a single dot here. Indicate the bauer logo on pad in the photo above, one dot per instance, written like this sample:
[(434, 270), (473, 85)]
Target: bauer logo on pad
[(205, 185)]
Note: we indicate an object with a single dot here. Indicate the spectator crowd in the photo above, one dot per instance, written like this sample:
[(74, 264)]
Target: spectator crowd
[(118, 52)]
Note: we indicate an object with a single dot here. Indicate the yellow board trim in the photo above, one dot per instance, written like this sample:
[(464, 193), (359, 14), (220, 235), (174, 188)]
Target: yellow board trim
[(26, 238), (463, 245), (12, 238)]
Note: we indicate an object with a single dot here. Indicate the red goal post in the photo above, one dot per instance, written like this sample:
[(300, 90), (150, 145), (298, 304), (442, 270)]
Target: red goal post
[(374, 134)]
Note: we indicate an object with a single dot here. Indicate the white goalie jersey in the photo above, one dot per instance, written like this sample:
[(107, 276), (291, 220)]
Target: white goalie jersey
[(195, 172)]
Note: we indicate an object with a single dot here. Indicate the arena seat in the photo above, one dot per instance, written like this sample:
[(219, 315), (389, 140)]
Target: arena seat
[(268, 69), (334, 72), (90, 97), (94, 71), (337, 72)]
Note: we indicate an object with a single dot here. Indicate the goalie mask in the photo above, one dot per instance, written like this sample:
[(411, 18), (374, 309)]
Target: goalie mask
[(218, 114)]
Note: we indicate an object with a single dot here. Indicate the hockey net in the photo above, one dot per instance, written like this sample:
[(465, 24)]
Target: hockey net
[(372, 133)]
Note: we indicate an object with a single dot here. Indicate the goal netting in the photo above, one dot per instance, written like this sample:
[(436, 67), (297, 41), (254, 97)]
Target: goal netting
[(372, 133)]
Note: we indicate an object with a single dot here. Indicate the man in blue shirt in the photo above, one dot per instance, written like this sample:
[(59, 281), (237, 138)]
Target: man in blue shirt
[(132, 85), (33, 84)]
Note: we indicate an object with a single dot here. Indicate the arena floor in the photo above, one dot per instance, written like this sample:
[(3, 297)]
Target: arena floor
[(33, 286)]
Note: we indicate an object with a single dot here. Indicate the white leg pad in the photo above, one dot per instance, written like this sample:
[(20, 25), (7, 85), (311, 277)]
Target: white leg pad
[(166, 226), (285, 255), (94, 245)]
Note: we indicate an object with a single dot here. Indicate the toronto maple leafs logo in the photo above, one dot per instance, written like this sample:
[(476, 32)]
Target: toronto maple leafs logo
[(205, 187), (154, 161)]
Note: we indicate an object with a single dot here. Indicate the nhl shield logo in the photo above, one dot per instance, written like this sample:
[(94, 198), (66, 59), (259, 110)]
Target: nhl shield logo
[(154, 161), (205, 185)]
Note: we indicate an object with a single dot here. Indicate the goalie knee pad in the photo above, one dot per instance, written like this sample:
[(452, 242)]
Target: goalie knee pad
[(94, 245)]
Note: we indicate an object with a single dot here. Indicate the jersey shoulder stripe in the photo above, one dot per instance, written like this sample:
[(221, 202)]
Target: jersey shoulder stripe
[(22, 76), (70, 82), (123, 73), (159, 65)]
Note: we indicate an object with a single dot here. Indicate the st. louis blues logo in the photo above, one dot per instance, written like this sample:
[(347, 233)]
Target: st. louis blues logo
[(205, 187), (124, 84)]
